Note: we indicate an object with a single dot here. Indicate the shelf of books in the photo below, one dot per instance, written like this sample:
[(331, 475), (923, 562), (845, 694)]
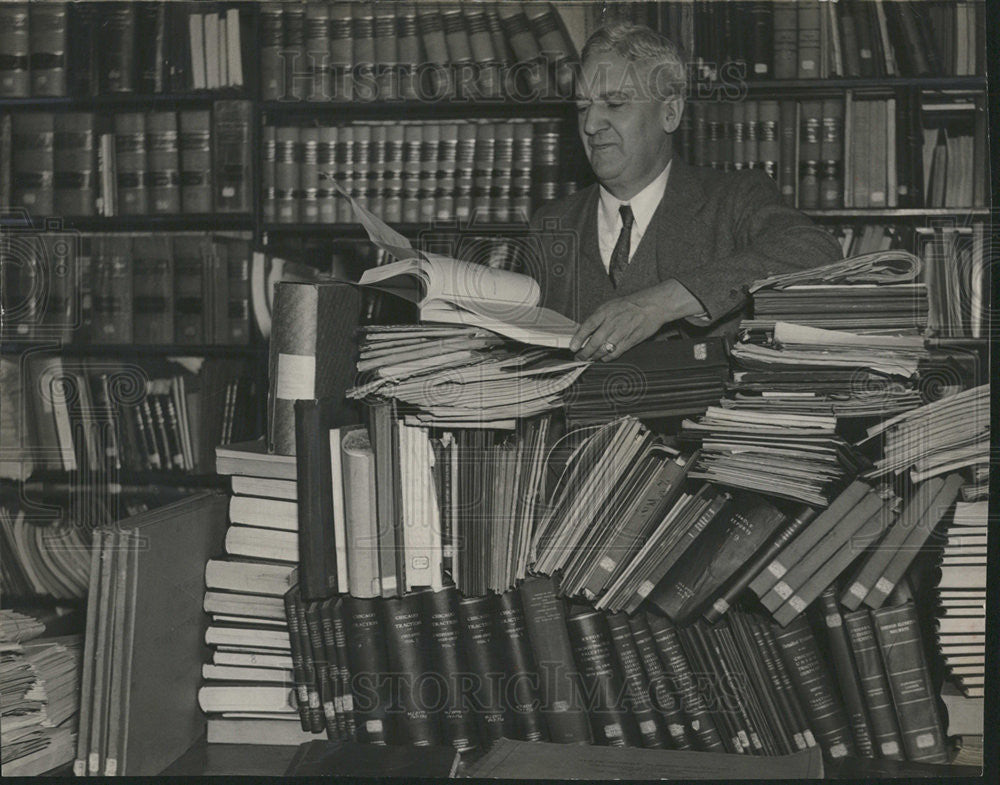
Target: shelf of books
[(377, 524)]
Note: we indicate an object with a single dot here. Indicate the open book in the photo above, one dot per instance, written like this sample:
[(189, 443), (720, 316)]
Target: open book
[(459, 292)]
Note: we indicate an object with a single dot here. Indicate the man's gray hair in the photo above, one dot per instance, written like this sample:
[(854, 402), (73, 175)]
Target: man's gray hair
[(643, 45)]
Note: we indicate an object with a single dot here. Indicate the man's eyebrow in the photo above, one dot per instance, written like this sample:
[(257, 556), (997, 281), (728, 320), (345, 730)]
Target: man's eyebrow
[(612, 95)]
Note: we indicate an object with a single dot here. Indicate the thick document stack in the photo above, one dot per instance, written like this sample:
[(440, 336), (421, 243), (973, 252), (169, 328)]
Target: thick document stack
[(791, 456), (961, 599), (144, 641), (812, 371), (460, 377), (40, 683), (875, 293), (654, 379), (943, 436)]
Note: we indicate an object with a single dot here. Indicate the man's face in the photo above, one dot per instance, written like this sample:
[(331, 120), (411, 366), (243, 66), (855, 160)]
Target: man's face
[(623, 127)]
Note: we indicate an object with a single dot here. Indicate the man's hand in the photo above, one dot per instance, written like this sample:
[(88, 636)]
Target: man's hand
[(625, 321)]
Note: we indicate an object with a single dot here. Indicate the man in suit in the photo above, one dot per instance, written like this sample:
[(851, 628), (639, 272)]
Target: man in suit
[(658, 241)]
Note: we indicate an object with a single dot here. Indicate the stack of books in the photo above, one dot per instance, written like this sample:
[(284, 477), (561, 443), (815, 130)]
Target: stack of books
[(961, 598), (40, 682), (879, 292), (957, 271)]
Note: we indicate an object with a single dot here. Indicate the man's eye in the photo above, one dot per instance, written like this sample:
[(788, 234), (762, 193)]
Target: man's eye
[(615, 104), (582, 106)]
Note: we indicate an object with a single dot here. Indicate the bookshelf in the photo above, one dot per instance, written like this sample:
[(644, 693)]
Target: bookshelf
[(318, 241)]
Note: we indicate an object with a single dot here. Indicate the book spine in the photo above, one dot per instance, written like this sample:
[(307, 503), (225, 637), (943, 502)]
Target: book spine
[(47, 42), (788, 167), (489, 81), (33, 161), (363, 30), (521, 171), (317, 549), (458, 726), (238, 304), (741, 579), (360, 514), (556, 48), (308, 176), (368, 662), (333, 702), (481, 654), (271, 63), (15, 80), (897, 630), (482, 191), (663, 635), (611, 722), (130, 162), (813, 682), (287, 153), (116, 48), (503, 158), (430, 144), (847, 674), (785, 40), (521, 39), (163, 163), (74, 164), (337, 612), (408, 52), (545, 620), (636, 684), (519, 666), (341, 51), (195, 161), (465, 165), (323, 669), (152, 282), (407, 649), (231, 164), (301, 683), (874, 685), (831, 184), (384, 30), (117, 326), (810, 123), (316, 57)]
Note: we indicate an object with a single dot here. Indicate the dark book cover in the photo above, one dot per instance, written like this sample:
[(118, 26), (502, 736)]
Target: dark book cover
[(116, 50), (150, 56), (656, 638), (897, 630), (311, 665), (408, 650), (323, 675), (191, 292), (336, 611), (74, 164), (847, 674), (874, 684), (32, 161), (384, 437), (726, 544), (47, 41), (272, 76), (131, 183), (483, 657), (458, 726), (334, 709), (610, 719), (813, 683), (15, 74), (519, 665), (762, 41), (153, 284), (637, 685), (163, 163), (195, 157), (559, 685), (232, 159), (749, 570), (238, 290), (366, 655), (317, 547), (301, 679), (341, 49)]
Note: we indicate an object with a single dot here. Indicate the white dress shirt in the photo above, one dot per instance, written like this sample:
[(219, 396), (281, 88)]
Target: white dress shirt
[(609, 220)]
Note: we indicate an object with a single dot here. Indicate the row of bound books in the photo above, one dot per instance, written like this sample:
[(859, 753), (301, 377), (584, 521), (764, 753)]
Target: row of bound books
[(418, 171), (854, 152), (105, 416), (135, 163), (355, 51), (811, 39), (120, 289), (87, 49), (41, 560), (388, 671)]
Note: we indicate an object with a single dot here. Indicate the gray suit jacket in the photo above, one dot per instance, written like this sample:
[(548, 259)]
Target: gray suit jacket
[(715, 232)]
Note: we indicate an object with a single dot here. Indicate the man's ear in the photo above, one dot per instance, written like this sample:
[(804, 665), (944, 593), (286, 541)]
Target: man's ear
[(671, 110)]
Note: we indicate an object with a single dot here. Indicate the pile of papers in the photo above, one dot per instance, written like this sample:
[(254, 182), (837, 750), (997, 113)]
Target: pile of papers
[(943, 436), (874, 293), (460, 376)]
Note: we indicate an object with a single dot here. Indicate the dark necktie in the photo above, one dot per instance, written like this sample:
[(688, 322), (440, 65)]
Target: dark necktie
[(619, 256)]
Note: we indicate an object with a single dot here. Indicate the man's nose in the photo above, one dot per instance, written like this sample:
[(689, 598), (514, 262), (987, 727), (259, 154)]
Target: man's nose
[(594, 118)]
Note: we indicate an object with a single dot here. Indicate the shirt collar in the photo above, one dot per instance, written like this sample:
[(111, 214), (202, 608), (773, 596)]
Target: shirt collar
[(643, 204)]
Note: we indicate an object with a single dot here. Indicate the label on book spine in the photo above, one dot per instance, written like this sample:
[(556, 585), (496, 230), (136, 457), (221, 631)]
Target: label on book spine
[(776, 569), (296, 377), (783, 590)]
